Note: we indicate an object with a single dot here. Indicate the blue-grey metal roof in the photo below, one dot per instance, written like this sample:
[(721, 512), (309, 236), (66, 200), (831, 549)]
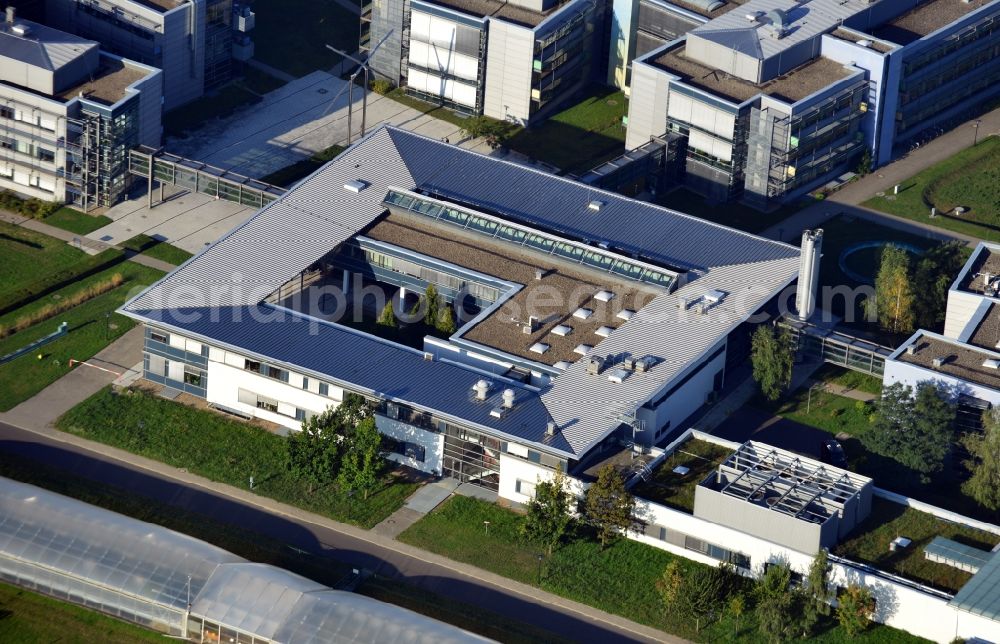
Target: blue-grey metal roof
[(957, 555), (43, 47), (981, 594), (366, 364), (237, 272), (559, 204)]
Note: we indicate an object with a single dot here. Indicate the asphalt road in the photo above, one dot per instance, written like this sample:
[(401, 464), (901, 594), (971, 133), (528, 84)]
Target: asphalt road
[(21, 444)]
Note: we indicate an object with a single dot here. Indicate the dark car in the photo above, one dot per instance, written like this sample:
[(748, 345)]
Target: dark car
[(832, 453)]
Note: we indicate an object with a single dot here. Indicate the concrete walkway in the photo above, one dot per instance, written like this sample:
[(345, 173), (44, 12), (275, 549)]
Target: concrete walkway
[(84, 243), (842, 391), (420, 504), (850, 197)]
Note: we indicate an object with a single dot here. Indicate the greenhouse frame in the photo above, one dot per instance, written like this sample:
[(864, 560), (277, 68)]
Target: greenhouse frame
[(175, 584)]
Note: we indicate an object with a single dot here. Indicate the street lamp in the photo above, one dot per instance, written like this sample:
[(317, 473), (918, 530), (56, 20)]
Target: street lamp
[(362, 66), (487, 524), (809, 397), (540, 558), (975, 140)]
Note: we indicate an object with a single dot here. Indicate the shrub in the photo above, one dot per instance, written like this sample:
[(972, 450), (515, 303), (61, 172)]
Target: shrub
[(31, 207), (381, 86)]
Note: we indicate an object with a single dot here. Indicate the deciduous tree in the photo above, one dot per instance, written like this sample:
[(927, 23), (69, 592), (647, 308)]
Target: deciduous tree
[(313, 451), (984, 484), (703, 592), (548, 513), (913, 429), (772, 356), (933, 275), (816, 593), (894, 292), (608, 505), (388, 316), (855, 609), (363, 458), (776, 603)]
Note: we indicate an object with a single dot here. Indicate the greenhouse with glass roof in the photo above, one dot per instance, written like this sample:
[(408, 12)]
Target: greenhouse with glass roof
[(180, 586)]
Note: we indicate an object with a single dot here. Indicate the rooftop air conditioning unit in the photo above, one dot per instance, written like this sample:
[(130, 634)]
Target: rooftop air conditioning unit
[(911, 350), (938, 362), (508, 398), (595, 205), (21, 29), (551, 428), (594, 365), (644, 364)]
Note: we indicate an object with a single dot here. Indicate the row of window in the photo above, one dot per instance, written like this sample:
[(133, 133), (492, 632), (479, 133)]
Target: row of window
[(677, 538), (408, 449), (8, 112), (30, 149), (264, 369), (260, 401), (431, 276)]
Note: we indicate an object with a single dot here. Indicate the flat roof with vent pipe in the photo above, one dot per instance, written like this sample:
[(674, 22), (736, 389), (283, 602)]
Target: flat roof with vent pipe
[(940, 355)]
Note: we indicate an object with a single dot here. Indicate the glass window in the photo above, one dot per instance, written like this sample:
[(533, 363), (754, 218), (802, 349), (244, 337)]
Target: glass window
[(300, 414), (159, 337), (524, 487), (539, 242), (513, 234), (251, 365), (324, 389), (534, 457), (277, 374), (305, 382), (414, 451), (267, 404), (192, 376)]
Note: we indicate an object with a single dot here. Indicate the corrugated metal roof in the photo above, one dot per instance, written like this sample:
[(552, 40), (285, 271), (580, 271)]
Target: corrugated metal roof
[(807, 19), (745, 40), (981, 594), (562, 205), (365, 363), (233, 275), (589, 405), (43, 46)]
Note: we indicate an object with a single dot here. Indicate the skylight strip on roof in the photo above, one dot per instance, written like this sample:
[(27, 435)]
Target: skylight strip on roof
[(593, 257)]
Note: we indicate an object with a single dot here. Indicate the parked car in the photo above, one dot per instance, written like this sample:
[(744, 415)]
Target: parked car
[(832, 453)]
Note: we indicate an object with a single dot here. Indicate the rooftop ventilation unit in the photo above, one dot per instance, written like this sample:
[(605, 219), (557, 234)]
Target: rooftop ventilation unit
[(497, 412), (508, 398), (714, 296), (539, 348), (482, 389), (779, 23), (563, 329), (531, 326), (595, 205), (644, 364), (604, 331), (864, 42), (428, 356), (551, 428), (21, 29), (562, 365), (618, 375), (991, 364), (604, 296), (594, 365), (583, 313), (539, 273), (938, 362), (625, 314), (911, 350), (355, 186)]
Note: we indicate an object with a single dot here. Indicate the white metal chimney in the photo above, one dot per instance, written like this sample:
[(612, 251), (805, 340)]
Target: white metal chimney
[(482, 387), (812, 251), (508, 398)]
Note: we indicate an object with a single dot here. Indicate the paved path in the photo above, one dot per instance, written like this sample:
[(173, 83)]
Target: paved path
[(84, 243), (850, 197), (424, 500)]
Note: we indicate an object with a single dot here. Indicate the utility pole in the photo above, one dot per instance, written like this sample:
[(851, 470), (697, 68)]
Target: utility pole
[(366, 68)]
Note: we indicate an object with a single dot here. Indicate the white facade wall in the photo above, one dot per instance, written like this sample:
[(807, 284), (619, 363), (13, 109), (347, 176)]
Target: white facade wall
[(961, 308), (40, 122), (898, 605), (647, 106), (225, 381), (683, 402), (509, 57), (912, 375)]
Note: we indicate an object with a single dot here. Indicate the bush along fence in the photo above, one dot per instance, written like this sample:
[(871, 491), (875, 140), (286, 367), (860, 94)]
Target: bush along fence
[(31, 207), (58, 333), (51, 310)]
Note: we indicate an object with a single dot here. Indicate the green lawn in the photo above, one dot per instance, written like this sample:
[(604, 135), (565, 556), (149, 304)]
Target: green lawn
[(968, 179), (220, 103), (732, 214), (848, 379), (677, 490), (292, 35), (840, 415), (28, 618), (288, 175), (152, 247), (580, 137), (221, 449), (28, 257), (869, 543), (430, 109), (620, 579), (90, 330), (75, 221)]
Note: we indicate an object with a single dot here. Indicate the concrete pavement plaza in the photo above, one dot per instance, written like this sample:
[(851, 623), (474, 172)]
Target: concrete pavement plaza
[(185, 219), (297, 120)]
